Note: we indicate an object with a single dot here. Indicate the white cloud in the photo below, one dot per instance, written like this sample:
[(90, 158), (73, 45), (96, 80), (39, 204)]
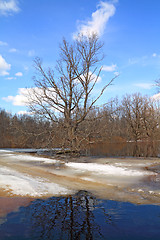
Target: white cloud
[(26, 68), (10, 78), (156, 97), (154, 55), (145, 60), (116, 74), (22, 98), (37, 94), (31, 53), (12, 50), (3, 43), (98, 21), (138, 60), (19, 74), (4, 67), (92, 77), (25, 95), (18, 100), (24, 113), (8, 7), (110, 68), (144, 85)]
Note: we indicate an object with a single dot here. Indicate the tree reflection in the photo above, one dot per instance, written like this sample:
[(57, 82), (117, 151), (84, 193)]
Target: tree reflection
[(134, 149), (82, 216), (72, 217)]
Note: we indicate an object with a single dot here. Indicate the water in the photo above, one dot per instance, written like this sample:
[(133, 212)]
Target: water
[(82, 216), (125, 149), (108, 149)]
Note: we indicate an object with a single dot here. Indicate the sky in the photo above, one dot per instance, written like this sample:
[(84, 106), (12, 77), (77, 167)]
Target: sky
[(130, 30)]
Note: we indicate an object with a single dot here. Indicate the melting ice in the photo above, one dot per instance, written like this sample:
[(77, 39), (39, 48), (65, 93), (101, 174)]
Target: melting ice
[(134, 180)]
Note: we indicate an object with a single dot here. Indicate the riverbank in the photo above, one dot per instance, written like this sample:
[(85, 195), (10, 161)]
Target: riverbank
[(133, 180)]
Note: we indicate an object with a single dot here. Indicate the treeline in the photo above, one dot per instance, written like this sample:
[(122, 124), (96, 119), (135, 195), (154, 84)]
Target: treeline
[(135, 118), (22, 131)]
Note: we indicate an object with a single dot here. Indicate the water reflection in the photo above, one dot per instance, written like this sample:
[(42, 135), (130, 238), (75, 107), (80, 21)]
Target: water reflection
[(82, 216), (65, 218), (131, 149)]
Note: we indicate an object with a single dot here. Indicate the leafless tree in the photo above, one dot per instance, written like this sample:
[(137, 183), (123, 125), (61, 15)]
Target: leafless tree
[(64, 96), (142, 117)]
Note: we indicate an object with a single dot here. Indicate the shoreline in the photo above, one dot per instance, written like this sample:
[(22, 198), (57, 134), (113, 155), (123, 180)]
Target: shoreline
[(120, 179)]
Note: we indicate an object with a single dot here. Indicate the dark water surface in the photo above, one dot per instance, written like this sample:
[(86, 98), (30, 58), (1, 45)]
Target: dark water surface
[(82, 216)]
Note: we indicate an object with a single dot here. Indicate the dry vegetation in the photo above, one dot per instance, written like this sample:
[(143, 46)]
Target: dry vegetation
[(136, 118)]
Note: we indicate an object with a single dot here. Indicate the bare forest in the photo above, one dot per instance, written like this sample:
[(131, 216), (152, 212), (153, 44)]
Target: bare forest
[(134, 118), (64, 110)]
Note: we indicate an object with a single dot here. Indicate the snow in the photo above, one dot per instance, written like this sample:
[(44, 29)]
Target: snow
[(25, 185), (34, 176), (5, 151), (106, 169), (140, 190), (27, 157), (88, 179)]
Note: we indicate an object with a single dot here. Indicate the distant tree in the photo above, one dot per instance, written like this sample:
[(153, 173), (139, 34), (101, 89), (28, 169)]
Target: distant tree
[(64, 96), (28, 131), (112, 120), (142, 117), (5, 119)]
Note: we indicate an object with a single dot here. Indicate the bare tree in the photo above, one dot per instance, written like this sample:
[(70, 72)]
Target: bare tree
[(64, 96), (142, 117)]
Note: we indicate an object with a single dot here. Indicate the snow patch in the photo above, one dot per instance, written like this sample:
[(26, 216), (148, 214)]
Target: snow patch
[(140, 190), (151, 192), (25, 185), (88, 179), (5, 151), (34, 158), (107, 169)]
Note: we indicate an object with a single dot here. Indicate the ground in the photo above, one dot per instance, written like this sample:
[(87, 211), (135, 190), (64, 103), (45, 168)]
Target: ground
[(124, 179)]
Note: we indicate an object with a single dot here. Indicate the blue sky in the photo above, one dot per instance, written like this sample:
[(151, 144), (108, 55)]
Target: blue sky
[(129, 29)]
